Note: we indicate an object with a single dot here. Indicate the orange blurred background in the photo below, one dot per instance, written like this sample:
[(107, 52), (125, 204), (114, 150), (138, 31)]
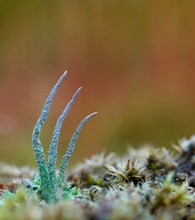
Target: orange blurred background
[(135, 60)]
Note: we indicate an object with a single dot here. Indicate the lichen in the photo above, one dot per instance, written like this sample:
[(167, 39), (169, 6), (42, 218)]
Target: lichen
[(51, 184)]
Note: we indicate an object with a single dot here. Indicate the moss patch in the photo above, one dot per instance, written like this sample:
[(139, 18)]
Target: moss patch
[(142, 184)]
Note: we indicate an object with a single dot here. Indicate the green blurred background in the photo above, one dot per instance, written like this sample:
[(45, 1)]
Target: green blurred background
[(134, 58)]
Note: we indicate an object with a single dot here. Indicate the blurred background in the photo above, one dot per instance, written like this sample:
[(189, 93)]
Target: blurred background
[(135, 60)]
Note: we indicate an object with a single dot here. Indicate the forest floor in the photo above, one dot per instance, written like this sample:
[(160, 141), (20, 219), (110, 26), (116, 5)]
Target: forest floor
[(144, 183)]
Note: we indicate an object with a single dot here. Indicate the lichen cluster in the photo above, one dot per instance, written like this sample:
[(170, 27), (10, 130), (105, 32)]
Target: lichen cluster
[(52, 185)]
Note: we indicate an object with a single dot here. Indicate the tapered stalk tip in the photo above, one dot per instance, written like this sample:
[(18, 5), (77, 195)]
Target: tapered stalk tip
[(65, 74)]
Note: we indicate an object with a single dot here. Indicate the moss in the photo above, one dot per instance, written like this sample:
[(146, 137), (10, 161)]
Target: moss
[(109, 187)]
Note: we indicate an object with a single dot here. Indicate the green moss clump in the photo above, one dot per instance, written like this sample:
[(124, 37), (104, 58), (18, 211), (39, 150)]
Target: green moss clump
[(149, 184)]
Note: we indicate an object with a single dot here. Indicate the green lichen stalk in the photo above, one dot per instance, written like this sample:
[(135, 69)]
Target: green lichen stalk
[(49, 183), (71, 147), (52, 155), (36, 143)]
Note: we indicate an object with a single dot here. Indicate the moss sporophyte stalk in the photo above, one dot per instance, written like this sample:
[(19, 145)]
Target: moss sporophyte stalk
[(53, 184)]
